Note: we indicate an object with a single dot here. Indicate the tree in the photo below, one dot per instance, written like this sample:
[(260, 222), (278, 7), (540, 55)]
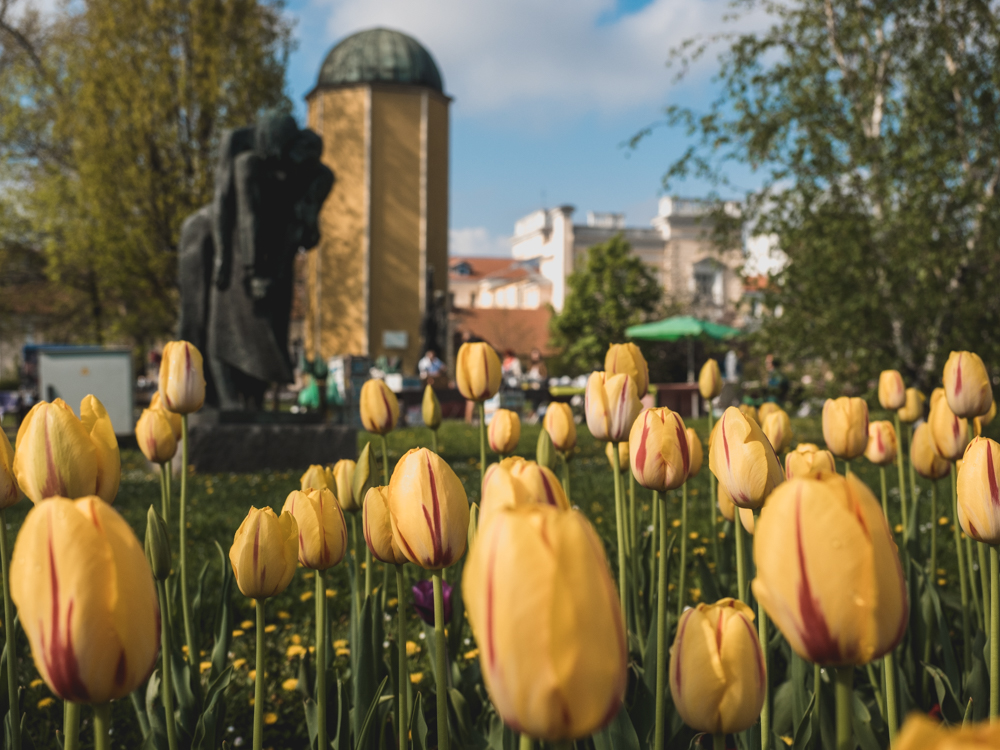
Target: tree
[(874, 126), (111, 115), (613, 291)]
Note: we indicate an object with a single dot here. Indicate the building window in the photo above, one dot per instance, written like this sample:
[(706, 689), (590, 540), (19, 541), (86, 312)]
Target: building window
[(708, 283)]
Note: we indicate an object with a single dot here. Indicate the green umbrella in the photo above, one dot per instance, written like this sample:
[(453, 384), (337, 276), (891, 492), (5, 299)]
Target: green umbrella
[(681, 327)]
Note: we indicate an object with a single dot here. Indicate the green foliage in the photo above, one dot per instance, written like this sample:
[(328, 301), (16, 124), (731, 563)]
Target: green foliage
[(874, 127), (110, 115), (612, 292)]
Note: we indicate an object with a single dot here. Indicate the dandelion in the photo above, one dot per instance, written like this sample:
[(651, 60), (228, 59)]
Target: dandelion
[(46, 702), (416, 677), (270, 718), (290, 684)]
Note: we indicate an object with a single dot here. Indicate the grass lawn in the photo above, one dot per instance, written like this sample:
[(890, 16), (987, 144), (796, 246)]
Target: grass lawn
[(218, 503)]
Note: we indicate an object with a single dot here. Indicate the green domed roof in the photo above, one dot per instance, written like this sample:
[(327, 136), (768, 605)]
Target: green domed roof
[(380, 56)]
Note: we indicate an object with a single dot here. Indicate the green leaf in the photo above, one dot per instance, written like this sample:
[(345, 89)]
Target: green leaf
[(618, 735), (366, 725)]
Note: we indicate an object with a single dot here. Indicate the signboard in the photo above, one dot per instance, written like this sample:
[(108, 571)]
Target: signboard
[(395, 339), (73, 372)]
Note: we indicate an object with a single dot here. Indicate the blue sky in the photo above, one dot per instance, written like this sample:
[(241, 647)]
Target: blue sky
[(545, 93)]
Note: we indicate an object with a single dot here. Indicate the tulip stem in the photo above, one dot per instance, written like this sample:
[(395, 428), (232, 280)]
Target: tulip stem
[(482, 445), (844, 694), (192, 653), (440, 664), (712, 499), (994, 635), (102, 726), (524, 743), (321, 641), (258, 682), (913, 479), (402, 679), (167, 688), (892, 715), (902, 483), (8, 618), (565, 477), (684, 545), (71, 726), (718, 741), (434, 440), (620, 523), (165, 491), (963, 582), (661, 624), (354, 562), (765, 712), (885, 501), (984, 578), (932, 569), (741, 575)]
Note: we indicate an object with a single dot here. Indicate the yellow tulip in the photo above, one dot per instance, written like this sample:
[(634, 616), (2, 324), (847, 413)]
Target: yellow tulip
[(924, 456), (343, 483), (808, 460), (950, 433), (710, 380), (429, 510), (746, 518), (623, 456), (317, 477), (717, 675), (155, 436), (967, 385), (9, 493), (749, 410), (979, 491), (378, 528), (627, 359), (913, 409), (109, 464), (777, 428), (658, 450), (366, 475), (828, 573), (980, 422), (742, 459), (182, 378), (379, 407), (845, 427), (514, 482), (477, 371), (322, 530), (264, 552), (696, 456), (611, 404), (559, 424), (766, 409), (430, 409), (545, 615), (882, 445), (175, 419), (725, 503), (891, 390), (920, 732), (86, 600), (504, 431)]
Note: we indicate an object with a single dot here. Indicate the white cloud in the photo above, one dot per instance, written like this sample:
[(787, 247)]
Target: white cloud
[(477, 241), (553, 55)]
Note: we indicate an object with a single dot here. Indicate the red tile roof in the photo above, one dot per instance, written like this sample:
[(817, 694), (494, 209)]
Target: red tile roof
[(480, 266), (519, 330)]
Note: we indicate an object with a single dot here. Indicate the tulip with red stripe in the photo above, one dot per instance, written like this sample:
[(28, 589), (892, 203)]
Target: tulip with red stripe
[(265, 552), (322, 530), (611, 405), (807, 459), (379, 407), (378, 528), (477, 371), (881, 449), (845, 427), (627, 359), (743, 460), (504, 432), (182, 378), (950, 432), (967, 385), (891, 390), (979, 491), (514, 482), (659, 450)]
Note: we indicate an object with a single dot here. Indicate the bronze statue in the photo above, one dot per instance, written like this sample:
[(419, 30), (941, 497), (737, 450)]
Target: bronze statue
[(237, 256)]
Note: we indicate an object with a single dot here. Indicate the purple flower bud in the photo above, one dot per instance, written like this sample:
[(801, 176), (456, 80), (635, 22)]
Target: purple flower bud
[(423, 600)]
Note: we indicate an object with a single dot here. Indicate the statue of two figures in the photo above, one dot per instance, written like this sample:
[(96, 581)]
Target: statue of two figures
[(237, 257)]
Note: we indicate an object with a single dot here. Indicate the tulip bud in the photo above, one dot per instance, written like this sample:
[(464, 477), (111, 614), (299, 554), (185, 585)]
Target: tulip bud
[(514, 482), (765, 410), (155, 436), (317, 477), (429, 510), (504, 432), (343, 481), (264, 552), (157, 545), (808, 460), (967, 385), (379, 407), (979, 491), (559, 424), (777, 428), (980, 422), (742, 459), (627, 359), (365, 476), (611, 406), (182, 378), (54, 455), (749, 410), (545, 453), (728, 698), (430, 409), (710, 380), (696, 455), (882, 448), (477, 371), (9, 493), (845, 426), (86, 600), (156, 403), (378, 527), (924, 456), (623, 456), (828, 573), (950, 433), (558, 671), (920, 732), (913, 409), (725, 503), (658, 450), (109, 464), (891, 390), (322, 530)]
